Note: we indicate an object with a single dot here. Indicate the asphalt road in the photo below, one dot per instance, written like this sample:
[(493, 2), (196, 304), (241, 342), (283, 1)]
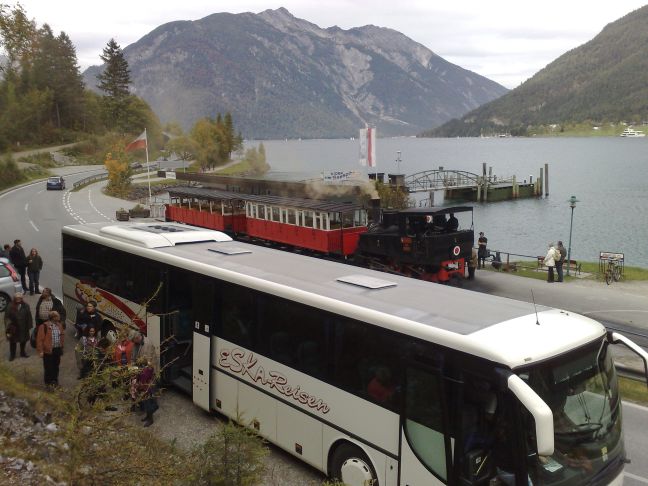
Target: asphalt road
[(35, 216)]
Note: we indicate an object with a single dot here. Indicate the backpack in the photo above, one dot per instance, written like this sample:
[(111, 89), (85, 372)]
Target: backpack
[(32, 337)]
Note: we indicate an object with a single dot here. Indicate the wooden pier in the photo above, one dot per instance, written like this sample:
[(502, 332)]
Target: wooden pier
[(468, 186)]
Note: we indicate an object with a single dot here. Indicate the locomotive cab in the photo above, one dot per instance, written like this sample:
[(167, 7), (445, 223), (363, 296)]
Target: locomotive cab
[(430, 243)]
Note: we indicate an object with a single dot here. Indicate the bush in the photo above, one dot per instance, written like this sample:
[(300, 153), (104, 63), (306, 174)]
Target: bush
[(233, 456), (10, 174)]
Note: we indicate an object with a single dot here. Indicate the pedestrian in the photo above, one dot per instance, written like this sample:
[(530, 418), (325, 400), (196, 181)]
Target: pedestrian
[(562, 253), (472, 264), (6, 252), (550, 262), (123, 353), (481, 251), (145, 386), (18, 322), (89, 352), (49, 344), (144, 349), (48, 302), (88, 317), (34, 267), (19, 261)]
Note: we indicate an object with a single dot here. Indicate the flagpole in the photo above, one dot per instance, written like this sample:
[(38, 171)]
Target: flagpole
[(148, 170)]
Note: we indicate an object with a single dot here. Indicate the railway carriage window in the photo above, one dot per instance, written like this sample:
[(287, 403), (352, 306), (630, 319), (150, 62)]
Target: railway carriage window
[(336, 222), (293, 334), (424, 419), (308, 219), (317, 221), (347, 220), (291, 216), (275, 214), (238, 315), (326, 221)]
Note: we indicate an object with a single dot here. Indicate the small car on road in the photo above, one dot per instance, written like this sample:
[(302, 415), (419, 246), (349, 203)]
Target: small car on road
[(56, 182), (9, 283)]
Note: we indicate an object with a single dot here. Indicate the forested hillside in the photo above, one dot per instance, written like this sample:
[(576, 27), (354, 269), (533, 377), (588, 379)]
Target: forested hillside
[(42, 96), (601, 81)]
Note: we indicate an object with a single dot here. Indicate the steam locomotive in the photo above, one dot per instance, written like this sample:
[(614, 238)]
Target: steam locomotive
[(425, 243)]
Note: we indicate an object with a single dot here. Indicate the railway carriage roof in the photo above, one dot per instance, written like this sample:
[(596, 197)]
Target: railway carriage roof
[(208, 194), (496, 328)]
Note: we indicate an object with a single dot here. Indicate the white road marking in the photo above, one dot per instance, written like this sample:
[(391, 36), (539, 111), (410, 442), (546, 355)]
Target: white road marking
[(635, 477), (634, 405), (94, 207), (42, 190), (26, 207), (33, 225), (610, 311)]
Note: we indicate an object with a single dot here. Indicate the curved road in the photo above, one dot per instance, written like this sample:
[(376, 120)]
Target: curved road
[(35, 216)]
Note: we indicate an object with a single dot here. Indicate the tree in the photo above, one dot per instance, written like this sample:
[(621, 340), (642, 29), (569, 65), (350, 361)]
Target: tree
[(184, 147), (17, 35), (119, 171), (207, 136), (55, 68), (114, 81), (233, 456)]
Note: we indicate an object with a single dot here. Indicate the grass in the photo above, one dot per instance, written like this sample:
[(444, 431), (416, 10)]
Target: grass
[(633, 391), (528, 268)]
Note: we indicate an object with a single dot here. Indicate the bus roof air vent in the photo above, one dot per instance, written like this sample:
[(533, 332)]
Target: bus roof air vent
[(229, 250), (366, 282), (161, 235)]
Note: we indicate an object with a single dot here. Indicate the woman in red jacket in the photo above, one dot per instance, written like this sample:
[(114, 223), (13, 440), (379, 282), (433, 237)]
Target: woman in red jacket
[(49, 344)]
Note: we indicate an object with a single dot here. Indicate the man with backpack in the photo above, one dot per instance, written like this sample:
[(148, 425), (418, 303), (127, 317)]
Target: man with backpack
[(560, 260)]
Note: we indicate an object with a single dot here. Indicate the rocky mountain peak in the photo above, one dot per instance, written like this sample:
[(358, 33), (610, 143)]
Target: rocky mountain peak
[(281, 76)]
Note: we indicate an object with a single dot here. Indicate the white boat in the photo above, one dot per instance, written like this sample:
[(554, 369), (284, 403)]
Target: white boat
[(629, 132)]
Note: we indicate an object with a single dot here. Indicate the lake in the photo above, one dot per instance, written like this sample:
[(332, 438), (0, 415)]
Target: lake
[(608, 175)]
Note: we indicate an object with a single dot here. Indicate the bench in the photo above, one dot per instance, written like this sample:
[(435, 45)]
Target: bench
[(573, 265)]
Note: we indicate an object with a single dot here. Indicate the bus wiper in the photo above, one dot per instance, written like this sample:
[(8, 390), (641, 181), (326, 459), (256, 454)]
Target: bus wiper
[(581, 432)]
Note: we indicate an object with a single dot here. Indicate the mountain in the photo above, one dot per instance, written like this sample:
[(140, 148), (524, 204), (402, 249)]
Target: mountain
[(281, 76), (603, 80)]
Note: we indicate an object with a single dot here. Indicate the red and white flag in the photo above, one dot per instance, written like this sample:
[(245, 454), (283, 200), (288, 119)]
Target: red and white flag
[(139, 143), (368, 147)]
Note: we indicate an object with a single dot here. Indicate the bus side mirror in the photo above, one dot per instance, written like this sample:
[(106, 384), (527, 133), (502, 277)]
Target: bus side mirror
[(539, 410), (616, 338)]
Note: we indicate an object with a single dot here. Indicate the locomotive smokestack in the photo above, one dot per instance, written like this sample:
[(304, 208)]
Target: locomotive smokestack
[(374, 212)]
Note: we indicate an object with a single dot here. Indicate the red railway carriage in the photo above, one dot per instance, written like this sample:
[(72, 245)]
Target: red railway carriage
[(207, 208), (322, 226)]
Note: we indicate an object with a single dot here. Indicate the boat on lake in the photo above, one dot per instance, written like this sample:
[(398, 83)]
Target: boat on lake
[(630, 132)]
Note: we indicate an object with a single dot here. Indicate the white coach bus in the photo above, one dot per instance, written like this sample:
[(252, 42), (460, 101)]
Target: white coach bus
[(372, 378)]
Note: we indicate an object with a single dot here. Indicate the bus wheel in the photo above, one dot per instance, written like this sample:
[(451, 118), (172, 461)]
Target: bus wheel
[(351, 466)]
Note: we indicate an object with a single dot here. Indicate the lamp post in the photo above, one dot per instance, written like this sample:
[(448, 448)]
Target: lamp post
[(572, 204), (398, 160)]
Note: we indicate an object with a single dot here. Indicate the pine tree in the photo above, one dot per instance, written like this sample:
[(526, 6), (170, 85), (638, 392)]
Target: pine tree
[(114, 81), (115, 78)]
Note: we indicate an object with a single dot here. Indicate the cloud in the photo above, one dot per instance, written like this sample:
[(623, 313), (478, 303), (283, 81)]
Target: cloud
[(483, 37)]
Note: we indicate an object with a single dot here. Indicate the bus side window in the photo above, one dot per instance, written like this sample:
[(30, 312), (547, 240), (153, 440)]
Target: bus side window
[(238, 315)]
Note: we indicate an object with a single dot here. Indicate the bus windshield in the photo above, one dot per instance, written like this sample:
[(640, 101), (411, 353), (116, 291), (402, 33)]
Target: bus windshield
[(582, 392)]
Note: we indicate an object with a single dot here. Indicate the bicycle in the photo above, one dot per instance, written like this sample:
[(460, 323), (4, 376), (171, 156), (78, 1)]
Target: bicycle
[(613, 271)]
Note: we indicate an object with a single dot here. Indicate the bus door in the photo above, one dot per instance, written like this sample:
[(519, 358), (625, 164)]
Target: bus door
[(185, 333), (425, 443)]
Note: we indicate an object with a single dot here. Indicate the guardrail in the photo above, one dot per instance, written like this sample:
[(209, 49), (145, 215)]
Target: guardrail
[(89, 180)]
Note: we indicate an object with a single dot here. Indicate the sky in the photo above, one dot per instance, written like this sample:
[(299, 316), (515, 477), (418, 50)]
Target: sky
[(507, 41)]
